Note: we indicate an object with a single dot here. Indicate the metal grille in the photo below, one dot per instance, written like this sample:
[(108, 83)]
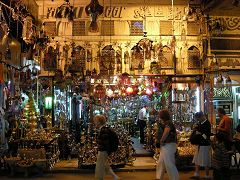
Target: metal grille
[(50, 28), (136, 28), (79, 28), (194, 61), (224, 92), (193, 28), (78, 59), (166, 58), (166, 28), (107, 28), (107, 61)]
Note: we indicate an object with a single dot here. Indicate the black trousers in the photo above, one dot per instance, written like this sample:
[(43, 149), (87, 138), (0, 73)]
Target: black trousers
[(142, 125)]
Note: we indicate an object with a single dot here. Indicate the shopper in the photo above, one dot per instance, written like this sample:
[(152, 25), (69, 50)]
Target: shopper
[(103, 141), (225, 124), (202, 156), (4, 127), (220, 159), (168, 147), (237, 135), (142, 121)]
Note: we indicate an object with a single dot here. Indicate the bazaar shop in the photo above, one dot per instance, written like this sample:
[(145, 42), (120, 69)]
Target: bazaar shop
[(104, 57)]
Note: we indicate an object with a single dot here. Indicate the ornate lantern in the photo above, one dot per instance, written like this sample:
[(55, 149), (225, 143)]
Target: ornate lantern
[(125, 79), (129, 90), (99, 91)]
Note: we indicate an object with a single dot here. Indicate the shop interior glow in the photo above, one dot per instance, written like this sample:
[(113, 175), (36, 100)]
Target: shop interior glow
[(48, 102), (198, 106)]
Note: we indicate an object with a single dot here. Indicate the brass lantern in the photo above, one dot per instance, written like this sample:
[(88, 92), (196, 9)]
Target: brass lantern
[(99, 91)]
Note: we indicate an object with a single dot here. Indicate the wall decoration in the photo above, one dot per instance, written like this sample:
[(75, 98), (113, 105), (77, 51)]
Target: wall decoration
[(165, 57), (94, 9), (50, 59), (194, 61), (137, 58), (107, 61), (119, 60), (78, 59)]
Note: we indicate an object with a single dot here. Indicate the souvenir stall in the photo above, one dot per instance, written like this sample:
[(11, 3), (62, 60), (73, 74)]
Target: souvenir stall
[(31, 148), (88, 148)]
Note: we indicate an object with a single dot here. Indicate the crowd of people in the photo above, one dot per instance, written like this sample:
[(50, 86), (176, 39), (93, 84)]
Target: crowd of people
[(212, 151)]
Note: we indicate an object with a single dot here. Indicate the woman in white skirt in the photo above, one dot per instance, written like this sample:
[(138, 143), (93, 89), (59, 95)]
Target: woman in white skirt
[(202, 156)]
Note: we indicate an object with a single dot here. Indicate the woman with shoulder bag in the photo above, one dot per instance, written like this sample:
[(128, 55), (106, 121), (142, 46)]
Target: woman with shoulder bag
[(168, 146), (202, 156)]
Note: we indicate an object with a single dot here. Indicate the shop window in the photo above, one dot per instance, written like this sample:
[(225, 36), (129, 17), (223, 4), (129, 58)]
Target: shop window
[(193, 28), (79, 28), (136, 28), (166, 28), (50, 28), (107, 28), (194, 61), (165, 58)]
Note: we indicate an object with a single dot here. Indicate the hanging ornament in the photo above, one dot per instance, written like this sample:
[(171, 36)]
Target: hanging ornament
[(94, 9), (109, 92), (99, 91), (129, 90), (148, 91), (27, 32), (5, 41)]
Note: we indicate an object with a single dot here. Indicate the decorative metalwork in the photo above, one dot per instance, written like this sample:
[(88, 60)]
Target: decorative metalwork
[(224, 23), (50, 59), (88, 148), (79, 28), (107, 28), (94, 9), (50, 28), (119, 60), (137, 58), (222, 92), (194, 61), (146, 45), (136, 28), (165, 57), (166, 27), (107, 61)]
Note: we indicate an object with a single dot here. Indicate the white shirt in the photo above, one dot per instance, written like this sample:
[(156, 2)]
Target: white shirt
[(142, 115)]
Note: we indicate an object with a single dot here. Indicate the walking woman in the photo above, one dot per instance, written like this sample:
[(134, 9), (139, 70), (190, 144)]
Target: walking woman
[(168, 146), (102, 164)]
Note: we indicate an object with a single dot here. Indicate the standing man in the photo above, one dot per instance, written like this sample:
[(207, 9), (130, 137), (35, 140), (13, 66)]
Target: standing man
[(142, 121), (225, 124), (103, 141)]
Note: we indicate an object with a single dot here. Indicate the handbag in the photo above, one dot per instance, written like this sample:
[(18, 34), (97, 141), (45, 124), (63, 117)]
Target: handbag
[(195, 138)]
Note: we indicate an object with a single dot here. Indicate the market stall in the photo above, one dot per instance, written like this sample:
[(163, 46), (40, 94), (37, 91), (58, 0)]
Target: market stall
[(88, 148)]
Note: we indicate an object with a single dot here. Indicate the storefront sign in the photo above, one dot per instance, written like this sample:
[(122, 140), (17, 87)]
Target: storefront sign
[(79, 12), (164, 12)]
